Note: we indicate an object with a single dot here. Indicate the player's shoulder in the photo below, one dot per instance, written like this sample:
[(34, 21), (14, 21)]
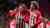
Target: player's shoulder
[(37, 12)]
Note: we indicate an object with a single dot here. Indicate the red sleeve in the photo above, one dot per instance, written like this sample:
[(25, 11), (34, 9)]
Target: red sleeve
[(11, 14), (38, 18)]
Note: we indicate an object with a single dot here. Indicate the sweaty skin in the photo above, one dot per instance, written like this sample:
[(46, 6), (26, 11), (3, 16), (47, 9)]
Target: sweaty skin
[(13, 24)]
